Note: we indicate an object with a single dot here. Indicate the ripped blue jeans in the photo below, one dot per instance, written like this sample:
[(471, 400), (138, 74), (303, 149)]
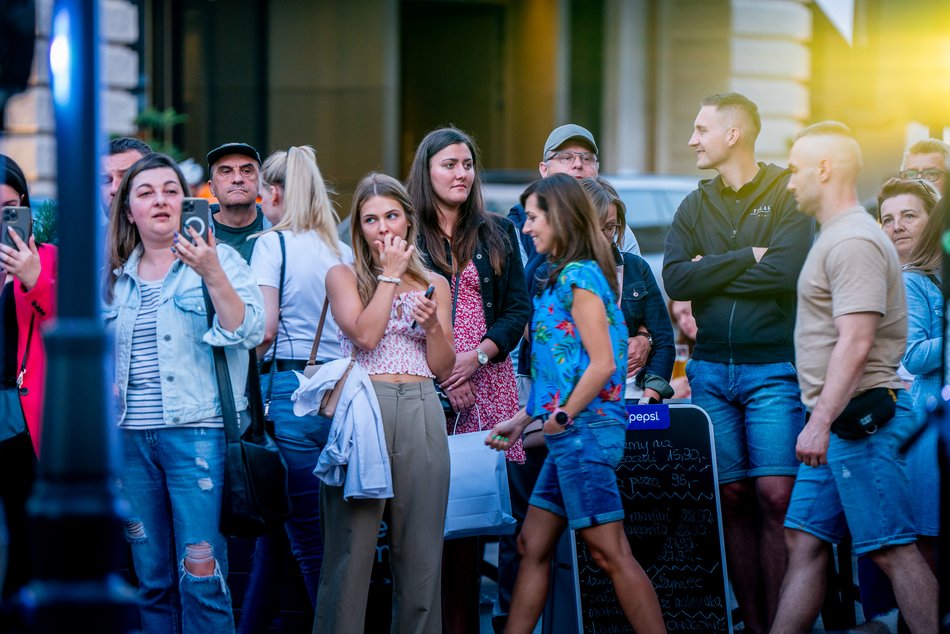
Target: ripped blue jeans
[(173, 480)]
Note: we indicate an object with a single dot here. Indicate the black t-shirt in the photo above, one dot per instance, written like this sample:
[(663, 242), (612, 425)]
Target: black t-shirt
[(237, 236), (10, 331)]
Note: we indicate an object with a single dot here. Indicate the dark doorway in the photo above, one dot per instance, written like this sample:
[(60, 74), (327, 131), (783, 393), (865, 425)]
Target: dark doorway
[(452, 73)]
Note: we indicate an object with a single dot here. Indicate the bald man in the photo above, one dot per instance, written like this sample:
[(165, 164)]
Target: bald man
[(734, 250), (850, 332)]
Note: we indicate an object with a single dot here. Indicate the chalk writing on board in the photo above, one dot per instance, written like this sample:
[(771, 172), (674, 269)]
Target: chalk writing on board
[(669, 491)]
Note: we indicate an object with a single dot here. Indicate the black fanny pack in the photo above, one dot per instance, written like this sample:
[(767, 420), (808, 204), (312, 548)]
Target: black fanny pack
[(865, 414)]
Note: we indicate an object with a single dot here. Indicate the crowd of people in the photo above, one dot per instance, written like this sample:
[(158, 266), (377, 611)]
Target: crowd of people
[(813, 331)]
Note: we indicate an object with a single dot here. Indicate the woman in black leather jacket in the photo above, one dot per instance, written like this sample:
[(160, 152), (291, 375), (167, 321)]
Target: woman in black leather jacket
[(641, 301)]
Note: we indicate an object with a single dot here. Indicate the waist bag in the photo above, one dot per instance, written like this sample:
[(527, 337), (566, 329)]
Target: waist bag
[(865, 414)]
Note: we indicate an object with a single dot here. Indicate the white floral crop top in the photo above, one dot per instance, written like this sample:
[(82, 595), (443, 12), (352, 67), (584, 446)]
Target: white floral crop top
[(402, 350)]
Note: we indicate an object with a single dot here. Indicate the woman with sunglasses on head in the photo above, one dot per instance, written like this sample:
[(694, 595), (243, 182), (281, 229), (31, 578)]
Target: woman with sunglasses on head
[(903, 206), (291, 261), (478, 254), (401, 337), (171, 430), (578, 370), (27, 303)]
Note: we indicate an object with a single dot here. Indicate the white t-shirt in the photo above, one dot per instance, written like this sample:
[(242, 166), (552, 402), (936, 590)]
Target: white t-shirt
[(309, 259)]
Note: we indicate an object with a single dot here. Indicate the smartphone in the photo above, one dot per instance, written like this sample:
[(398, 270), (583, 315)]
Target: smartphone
[(428, 295), (195, 214), (21, 219)]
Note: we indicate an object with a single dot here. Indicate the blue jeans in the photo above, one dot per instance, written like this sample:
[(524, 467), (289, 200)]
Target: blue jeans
[(578, 480), (756, 412), (173, 479), (863, 488), (300, 440)]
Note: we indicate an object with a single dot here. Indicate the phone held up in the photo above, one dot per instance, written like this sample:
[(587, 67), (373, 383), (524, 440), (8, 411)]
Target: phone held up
[(195, 214), (21, 220), (428, 295)]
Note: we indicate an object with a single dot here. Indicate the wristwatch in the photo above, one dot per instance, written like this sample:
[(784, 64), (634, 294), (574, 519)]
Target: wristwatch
[(641, 333), (562, 418), (482, 357)]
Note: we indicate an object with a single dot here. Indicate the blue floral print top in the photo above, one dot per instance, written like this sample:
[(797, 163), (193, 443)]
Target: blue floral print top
[(558, 358)]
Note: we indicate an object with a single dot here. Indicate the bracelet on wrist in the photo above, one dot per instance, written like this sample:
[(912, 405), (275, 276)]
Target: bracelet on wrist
[(391, 280)]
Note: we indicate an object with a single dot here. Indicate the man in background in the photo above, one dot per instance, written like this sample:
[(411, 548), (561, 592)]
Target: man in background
[(235, 170), (734, 250)]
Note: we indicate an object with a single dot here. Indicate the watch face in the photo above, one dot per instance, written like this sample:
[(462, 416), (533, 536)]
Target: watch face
[(482, 357)]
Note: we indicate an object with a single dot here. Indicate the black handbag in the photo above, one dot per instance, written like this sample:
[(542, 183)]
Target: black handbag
[(13, 425), (865, 414), (255, 499)]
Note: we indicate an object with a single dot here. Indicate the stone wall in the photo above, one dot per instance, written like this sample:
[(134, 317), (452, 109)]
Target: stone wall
[(29, 132)]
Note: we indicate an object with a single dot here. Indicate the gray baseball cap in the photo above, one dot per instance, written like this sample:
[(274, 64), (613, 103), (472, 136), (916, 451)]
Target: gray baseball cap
[(559, 136)]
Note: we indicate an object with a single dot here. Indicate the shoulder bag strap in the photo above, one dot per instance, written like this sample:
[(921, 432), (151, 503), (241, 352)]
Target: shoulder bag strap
[(280, 301), (930, 276), (232, 425), (316, 340), (26, 353)]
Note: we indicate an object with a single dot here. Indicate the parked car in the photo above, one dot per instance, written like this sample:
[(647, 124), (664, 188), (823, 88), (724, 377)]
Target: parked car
[(651, 201)]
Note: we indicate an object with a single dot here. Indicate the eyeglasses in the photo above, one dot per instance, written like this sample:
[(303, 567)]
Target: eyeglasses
[(567, 158), (931, 174), (610, 229)]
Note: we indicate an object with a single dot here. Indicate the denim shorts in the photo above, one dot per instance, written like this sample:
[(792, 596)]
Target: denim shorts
[(578, 480), (756, 412), (863, 488)]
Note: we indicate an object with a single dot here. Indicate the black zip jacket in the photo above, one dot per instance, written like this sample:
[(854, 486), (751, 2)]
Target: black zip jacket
[(745, 309), (504, 297)]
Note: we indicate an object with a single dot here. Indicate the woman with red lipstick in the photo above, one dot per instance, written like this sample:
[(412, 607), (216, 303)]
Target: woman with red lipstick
[(477, 252)]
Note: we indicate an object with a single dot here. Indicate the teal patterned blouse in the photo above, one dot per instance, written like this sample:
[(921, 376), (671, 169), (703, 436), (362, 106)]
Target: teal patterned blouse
[(558, 358)]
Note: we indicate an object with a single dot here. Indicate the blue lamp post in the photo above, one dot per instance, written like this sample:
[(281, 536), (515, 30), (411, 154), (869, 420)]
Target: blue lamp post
[(75, 509)]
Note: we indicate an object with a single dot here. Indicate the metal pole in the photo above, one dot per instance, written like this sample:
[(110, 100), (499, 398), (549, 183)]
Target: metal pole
[(75, 509)]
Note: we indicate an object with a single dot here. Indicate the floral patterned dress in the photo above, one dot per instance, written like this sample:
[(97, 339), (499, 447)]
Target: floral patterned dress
[(496, 393)]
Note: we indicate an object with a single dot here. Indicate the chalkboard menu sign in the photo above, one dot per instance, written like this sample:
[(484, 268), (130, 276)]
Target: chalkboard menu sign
[(668, 484)]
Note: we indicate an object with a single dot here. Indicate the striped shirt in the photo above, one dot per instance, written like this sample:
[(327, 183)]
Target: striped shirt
[(144, 395)]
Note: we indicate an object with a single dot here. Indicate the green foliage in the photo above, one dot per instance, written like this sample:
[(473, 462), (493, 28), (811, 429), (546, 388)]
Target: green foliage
[(44, 222), (155, 128)]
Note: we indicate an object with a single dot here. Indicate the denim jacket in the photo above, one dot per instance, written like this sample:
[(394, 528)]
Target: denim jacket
[(185, 360), (924, 335)]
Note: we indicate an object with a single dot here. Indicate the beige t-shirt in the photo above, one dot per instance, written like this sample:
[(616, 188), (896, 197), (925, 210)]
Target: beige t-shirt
[(851, 268)]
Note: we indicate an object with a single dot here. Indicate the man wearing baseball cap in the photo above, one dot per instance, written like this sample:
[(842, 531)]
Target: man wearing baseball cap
[(569, 149), (235, 170)]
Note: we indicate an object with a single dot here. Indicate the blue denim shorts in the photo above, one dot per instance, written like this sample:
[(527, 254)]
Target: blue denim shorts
[(756, 412), (864, 488), (578, 480)]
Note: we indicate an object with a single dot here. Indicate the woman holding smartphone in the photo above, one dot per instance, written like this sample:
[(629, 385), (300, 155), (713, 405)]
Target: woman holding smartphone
[(403, 340), (171, 433), (578, 372), (27, 302)]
